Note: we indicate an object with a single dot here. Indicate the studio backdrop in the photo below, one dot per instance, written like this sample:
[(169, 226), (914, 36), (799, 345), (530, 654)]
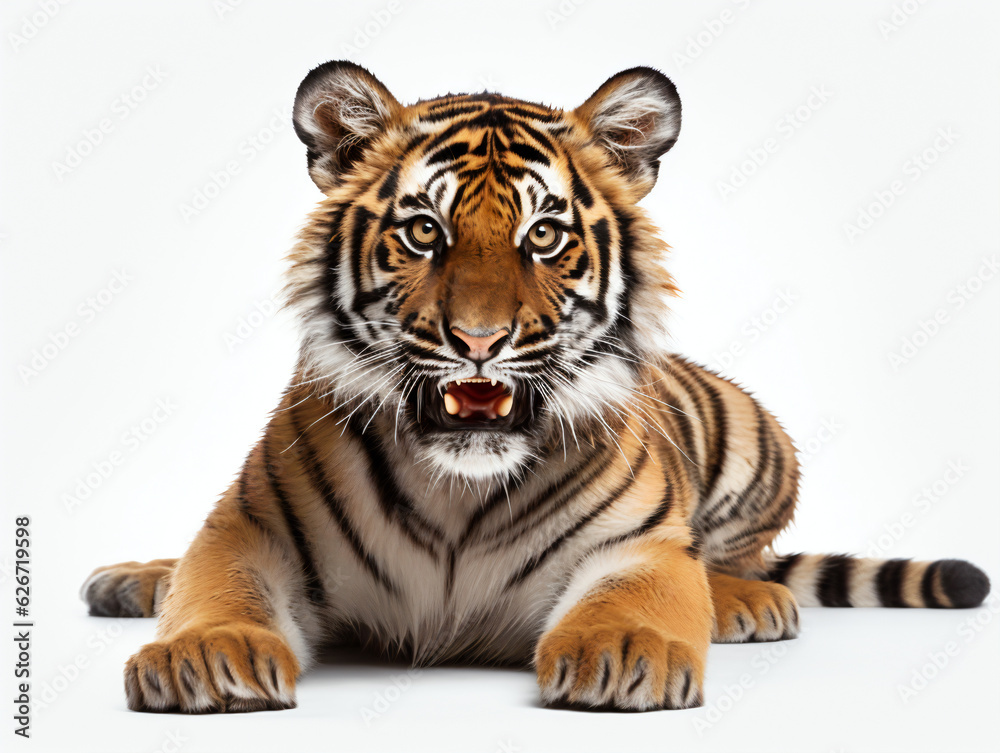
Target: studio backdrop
[(832, 210)]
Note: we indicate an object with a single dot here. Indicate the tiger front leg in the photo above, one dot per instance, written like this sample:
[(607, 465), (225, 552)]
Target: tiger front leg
[(226, 633), (632, 631), (128, 589)]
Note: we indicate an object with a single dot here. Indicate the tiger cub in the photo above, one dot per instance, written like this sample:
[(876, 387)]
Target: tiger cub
[(485, 453)]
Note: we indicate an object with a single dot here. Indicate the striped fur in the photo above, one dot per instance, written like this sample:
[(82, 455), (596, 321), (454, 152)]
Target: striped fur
[(837, 580), (606, 527)]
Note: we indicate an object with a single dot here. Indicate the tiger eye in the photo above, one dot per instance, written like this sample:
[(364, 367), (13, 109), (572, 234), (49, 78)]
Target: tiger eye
[(543, 235), (424, 231)]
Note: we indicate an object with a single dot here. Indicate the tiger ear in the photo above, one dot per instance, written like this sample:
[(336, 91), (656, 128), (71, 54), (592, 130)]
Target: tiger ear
[(340, 108), (636, 116)]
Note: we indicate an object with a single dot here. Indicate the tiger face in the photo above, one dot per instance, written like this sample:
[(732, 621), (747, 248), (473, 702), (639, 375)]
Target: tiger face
[(478, 277)]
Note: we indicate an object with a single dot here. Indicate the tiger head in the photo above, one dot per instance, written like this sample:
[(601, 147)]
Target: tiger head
[(478, 278)]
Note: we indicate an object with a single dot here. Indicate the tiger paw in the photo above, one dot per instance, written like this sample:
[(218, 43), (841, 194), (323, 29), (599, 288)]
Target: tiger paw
[(752, 610), (619, 666), (128, 589), (226, 668)]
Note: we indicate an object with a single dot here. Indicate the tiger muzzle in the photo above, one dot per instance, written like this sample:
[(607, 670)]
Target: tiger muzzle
[(475, 404)]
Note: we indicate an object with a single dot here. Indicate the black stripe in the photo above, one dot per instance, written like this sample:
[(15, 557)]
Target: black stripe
[(415, 351), (927, 587), (495, 118), (602, 237), (683, 378), (529, 153), (718, 425), (516, 199), (494, 500), (717, 517), (419, 200), (778, 572), (451, 112), (580, 190), (259, 524), (331, 276), (310, 575), (426, 335), (659, 514), (581, 264), (508, 205), (528, 509), (774, 521), (522, 112), (777, 474), (565, 495), (772, 524), (484, 146), (244, 500), (889, 583), (538, 135), (449, 581), (532, 357), (447, 133), (382, 257), (320, 482), (627, 272), (687, 429), (370, 297), (395, 504), (536, 561), (652, 521), (456, 200), (388, 187), (693, 549), (416, 140), (832, 587), (533, 338), (449, 153), (594, 309), (362, 217)]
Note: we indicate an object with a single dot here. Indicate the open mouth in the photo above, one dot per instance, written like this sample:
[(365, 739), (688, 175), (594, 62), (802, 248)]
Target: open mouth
[(478, 398), (476, 404)]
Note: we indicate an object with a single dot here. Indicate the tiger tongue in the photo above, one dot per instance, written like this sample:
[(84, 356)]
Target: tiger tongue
[(465, 402)]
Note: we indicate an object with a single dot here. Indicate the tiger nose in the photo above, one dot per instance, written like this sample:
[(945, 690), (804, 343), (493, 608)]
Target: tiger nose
[(479, 347)]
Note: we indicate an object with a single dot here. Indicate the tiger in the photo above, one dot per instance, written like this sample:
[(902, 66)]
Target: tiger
[(488, 453)]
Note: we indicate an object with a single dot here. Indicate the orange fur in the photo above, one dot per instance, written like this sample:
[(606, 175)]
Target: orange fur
[(751, 610), (639, 638)]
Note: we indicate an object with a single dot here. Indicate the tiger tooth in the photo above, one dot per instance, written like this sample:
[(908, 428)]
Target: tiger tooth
[(493, 382), (451, 404), (504, 406)]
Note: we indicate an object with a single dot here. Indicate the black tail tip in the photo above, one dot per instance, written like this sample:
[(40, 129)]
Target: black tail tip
[(964, 583)]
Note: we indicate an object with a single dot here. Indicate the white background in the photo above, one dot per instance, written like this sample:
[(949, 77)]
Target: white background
[(170, 334)]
